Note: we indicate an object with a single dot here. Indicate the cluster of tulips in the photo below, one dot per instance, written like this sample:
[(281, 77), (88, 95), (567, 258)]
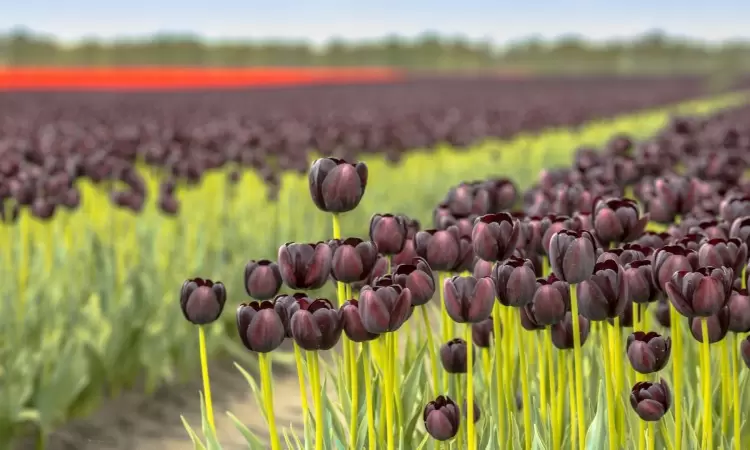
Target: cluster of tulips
[(583, 264)]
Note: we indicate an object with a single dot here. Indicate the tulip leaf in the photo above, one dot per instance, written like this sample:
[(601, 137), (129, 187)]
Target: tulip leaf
[(597, 435), (335, 419), (252, 440), (537, 443), (197, 444), (254, 389), (424, 441), (212, 442)]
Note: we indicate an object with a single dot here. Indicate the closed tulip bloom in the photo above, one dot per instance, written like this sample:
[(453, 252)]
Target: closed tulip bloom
[(453, 356), (674, 195), (640, 280), (407, 254), (353, 259), (651, 400), (305, 266), (730, 253), (384, 308), (626, 316), (418, 278), (466, 199), (739, 311), (627, 254), (260, 326), (618, 220), (503, 194), (745, 351), (604, 295), (202, 301), (648, 352), (465, 261), (691, 241), (469, 300), (441, 418), (572, 255), (515, 281), (337, 186), (661, 313), (482, 332), (741, 229), (653, 239), (262, 279), (718, 326), (713, 229), (440, 248), (286, 305), (380, 269), (495, 236), (389, 233), (316, 325), (533, 228), (550, 302), (554, 224), (528, 321), (562, 332), (734, 206), (482, 268), (352, 322), (701, 293), (671, 259)]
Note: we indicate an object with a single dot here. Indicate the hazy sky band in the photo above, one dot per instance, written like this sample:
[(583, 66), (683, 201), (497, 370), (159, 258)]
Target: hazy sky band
[(321, 20)]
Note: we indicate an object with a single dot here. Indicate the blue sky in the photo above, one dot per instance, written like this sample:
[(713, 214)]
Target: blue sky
[(320, 20)]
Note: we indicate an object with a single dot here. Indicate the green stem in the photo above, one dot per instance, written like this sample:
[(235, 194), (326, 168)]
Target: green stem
[(725, 377), (314, 368), (677, 368), (707, 414), (354, 377), (578, 357), (541, 374), (609, 389), (206, 381), (388, 394), (546, 344), (500, 387), (367, 361), (458, 395), (445, 321), (736, 392), (619, 384), (431, 349), (651, 439), (266, 381), (572, 401), (470, 389), (641, 435), (299, 359), (336, 226), (524, 386), (665, 434)]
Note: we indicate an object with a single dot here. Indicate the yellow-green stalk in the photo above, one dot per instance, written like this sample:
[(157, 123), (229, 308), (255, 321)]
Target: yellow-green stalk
[(314, 370), (572, 401), (500, 391), (736, 393), (609, 389), (206, 381), (431, 349), (266, 382), (554, 399), (299, 360), (541, 374), (388, 394), (524, 385), (445, 321), (725, 377), (705, 378), (578, 357), (367, 360), (470, 390)]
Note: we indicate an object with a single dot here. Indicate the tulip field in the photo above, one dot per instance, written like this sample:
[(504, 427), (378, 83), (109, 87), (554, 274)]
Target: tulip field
[(438, 263)]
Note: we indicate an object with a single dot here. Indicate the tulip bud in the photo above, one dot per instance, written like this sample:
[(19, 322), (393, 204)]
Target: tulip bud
[(604, 295), (353, 259), (260, 326), (550, 302), (661, 313), (627, 254), (418, 278), (651, 400), (305, 266), (316, 325), (718, 326), (745, 351), (572, 255), (672, 196), (453, 356), (407, 254), (739, 311), (701, 293), (648, 352), (468, 300), (640, 281), (653, 240), (554, 224), (495, 236), (712, 229), (626, 316), (730, 253), (528, 321), (384, 307), (262, 279), (741, 229), (352, 322), (482, 268), (562, 332), (441, 418), (286, 305), (482, 332), (618, 220), (202, 301), (515, 281), (389, 233), (380, 269), (465, 262), (734, 206), (440, 248), (671, 259), (337, 186), (466, 199)]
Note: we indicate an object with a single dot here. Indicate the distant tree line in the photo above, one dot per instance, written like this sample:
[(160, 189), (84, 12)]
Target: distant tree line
[(652, 52)]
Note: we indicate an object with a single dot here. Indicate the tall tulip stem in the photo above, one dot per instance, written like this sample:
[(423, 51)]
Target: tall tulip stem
[(366, 359), (677, 368), (266, 382), (542, 374), (388, 394), (705, 378), (735, 392), (578, 357), (618, 388), (500, 387), (354, 378), (470, 390), (609, 389), (314, 369), (459, 400), (446, 322), (336, 226), (651, 439), (572, 403), (725, 385), (524, 385), (431, 349), (206, 380), (299, 360), (546, 345)]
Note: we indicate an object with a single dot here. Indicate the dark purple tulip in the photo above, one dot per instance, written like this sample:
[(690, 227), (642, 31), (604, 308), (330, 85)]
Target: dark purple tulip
[(418, 278), (734, 206), (202, 301), (739, 311), (553, 224), (453, 356), (640, 280), (407, 254), (745, 351), (466, 199), (515, 281), (286, 305), (572, 255), (468, 300), (389, 233), (305, 266), (337, 186), (441, 418), (550, 302), (671, 259), (465, 262), (482, 332), (380, 269), (568, 199), (585, 221), (533, 228), (503, 194), (528, 321), (618, 220), (626, 316), (713, 229), (672, 196), (482, 268), (562, 332), (440, 248), (260, 326), (353, 259), (741, 229), (700, 293), (627, 254), (653, 240), (384, 307), (495, 236), (651, 400), (661, 313), (730, 253), (691, 241), (316, 325), (604, 294), (262, 279), (352, 322), (648, 352), (718, 326)]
